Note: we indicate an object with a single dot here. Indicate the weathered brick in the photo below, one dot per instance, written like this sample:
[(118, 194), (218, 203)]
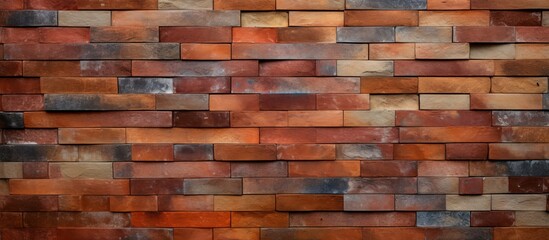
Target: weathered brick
[(420, 203), (117, 4), (326, 68), (381, 18), (174, 203), (197, 51), (492, 219), (521, 67), (525, 134), (186, 4), (244, 203), (84, 18), (307, 35), (492, 51), (145, 85), (37, 153), (520, 233), (11, 170), (391, 4), (275, 102), (444, 102), (259, 119), (234, 102), (194, 152), (533, 168), (11, 220), (423, 34), (28, 103), (387, 185), (369, 118), (519, 118), (309, 202), (195, 34), (450, 134), (78, 85), (438, 185), (35, 170), (508, 4), (152, 152), (454, 85), (240, 152), (259, 219), (264, 19), (506, 101), (287, 68), (18, 85), (124, 34), (91, 135), (181, 219), (364, 151), (442, 51), (98, 119), (307, 5), (315, 19), (494, 184), (356, 135), (531, 218), (454, 18), (80, 170), (288, 135), (28, 18), (156, 187), (484, 34), (244, 5), (545, 18), (392, 51), (259, 169), (314, 233), (519, 202), (306, 152), (201, 119), (76, 219), (182, 102), (394, 102), (13, 5), (171, 170), (202, 85), (324, 169), (532, 34), (466, 151), (525, 184), (448, 5), (443, 219), (195, 69), (471, 186), (388, 85), (468, 203), (295, 85), (77, 68), (295, 185), (11, 69), (359, 219), (220, 186), (187, 18), (369, 202), (316, 118), (104, 233), (444, 68), (532, 51), (254, 35), (98, 102), (236, 233), (63, 35), (299, 51), (104, 153), (517, 151), (365, 34), (515, 18), (65, 186), (419, 151), (364, 68), (388, 169), (133, 203), (30, 136), (464, 233), (442, 118), (443, 168)]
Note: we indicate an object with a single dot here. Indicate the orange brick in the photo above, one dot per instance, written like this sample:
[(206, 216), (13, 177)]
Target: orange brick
[(259, 219), (442, 51), (259, 119), (181, 219), (152, 152), (381, 18), (315, 118), (388, 168), (192, 233), (133, 203), (518, 151), (178, 203), (64, 35), (306, 152), (419, 152), (392, 51), (236, 234), (78, 85), (393, 233), (98, 119), (450, 134), (519, 85), (221, 102), (324, 169), (191, 135), (388, 85), (443, 168), (316, 19), (244, 203), (308, 202), (68, 187), (244, 5), (339, 219), (525, 134), (454, 85), (506, 101), (454, 18), (124, 34), (244, 152), (91, 135), (287, 135), (254, 35), (448, 4), (343, 102), (307, 34), (197, 51), (530, 233), (509, 4), (312, 233)]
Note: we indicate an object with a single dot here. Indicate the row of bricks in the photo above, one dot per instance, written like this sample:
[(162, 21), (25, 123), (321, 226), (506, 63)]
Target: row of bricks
[(250, 68), (272, 4), (531, 213), (46, 18), (192, 51), (296, 233)]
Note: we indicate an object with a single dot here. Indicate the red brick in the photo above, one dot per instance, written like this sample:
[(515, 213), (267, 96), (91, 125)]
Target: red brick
[(92, 135), (383, 233), (104, 234), (20, 35), (259, 119), (443, 168), (171, 170), (388, 169), (515, 18), (12, 5), (532, 34), (292, 68), (64, 35), (454, 18), (308, 5), (195, 34), (492, 219), (328, 219), (419, 151), (124, 34), (287, 135), (307, 35), (522, 67), (202, 85), (78, 85), (343, 101), (176, 18), (181, 219), (51, 4), (30, 233), (28, 203), (530, 233), (22, 103), (484, 34), (239, 152), (201, 119), (312, 233), (152, 152), (98, 119), (392, 51), (192, 233), (508, 4), (195, 69), (442, 118), (77, 68), (255, 35), (236, 233), (84, 203), (450, 134), (356, 135), (466, 151), (234, 102), (381, 18), (19, 85), (525, 185), (174, 203), (308, 202), (259, 219), (315, 118), (471, 186), (448, 4), (369, 202), (259, 169), (133, 203), (324, 169), (244, 5), (11, 220), (444, 68), (299, 51), (506, 101), (117, 4), (63, 186), (11, 68), (287, 102), (388, 85), (306, 152), (198, 51), (35, 170), (156, 186)]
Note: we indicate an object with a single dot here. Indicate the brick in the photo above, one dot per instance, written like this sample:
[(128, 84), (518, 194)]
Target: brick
[(442, 118), (309, 202), (73, 85), (145, 85), (202, 85), (77, 68), (167, 18), (124, 34), (86, 234), (532, 34), (19, 85), (443, 219), (532, 51), (438, 185), (519, 118), (11, 120), (181, 101), (264, 19), (420, 203), (365, 34), (152, 152), (133, 203), (11, 170), (29, 233), (531, 218), (11, 220), (273, 102), (30, 136), (394, 102), (508, 168), (307, 34), (259, 169), (104, 153), (492, 51), (392, 51), (448, 5), (236, 233), (98, 102), (117, 4), (364, 68), (28, 18), (442, 51), (234, 102), (287, 68), (519, 202), (520, 233), (306, 152), (240, 152), (513, 101), (381, 18), (369, 118), (388, 85), (315, 118), (194, 152), (452, 68), (443, 168), (450, 134), (20, 35), (80, 170), (359, 219), (181, 219), (220, 186), (186, 4), (468, 203), (195, 69), (244, 203), (471, 186), (383, 185), (316, 19), (196, 51), (423, 34), (299, 51), (518, 151), (493, 219), (379, 233), (515, 18), (185, 203), (525, 185), (259, 219), (369, 202), (314, 233), (259, 119), (324, 169), (525, 134), (192, 233), (295, 85), (98, 119), (507, 4), (392, 4), (254, 35), (419, 151), (65, 186), (545, 18), (484, 34), (76, 219), (201, 118), (27, 103), (35, 170), (84, 18), (307, 5), (295, 185), (244, 5), (520, 67), (356, 135), (37, 153), (11, 69), (64, 35), (171, 170), (388, 169), (454, 18), (444, 102), (454, 85), (326, 68), (458, 233), (12, 5), (287, 135), (156, 186), (195, 34), (466, 151)]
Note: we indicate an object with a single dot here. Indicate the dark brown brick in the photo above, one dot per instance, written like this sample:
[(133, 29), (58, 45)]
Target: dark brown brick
[(525, 184), (515, 18), (201, 119)]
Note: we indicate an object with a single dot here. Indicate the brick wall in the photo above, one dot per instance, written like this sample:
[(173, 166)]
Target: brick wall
[(274, 119)]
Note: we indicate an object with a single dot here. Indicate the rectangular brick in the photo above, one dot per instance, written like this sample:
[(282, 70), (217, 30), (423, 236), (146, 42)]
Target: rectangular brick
[(454, 18), (234, 102), (466, 151), (364, 68), (292, 68), (240, 152), (525, 134), (493, 219), (295, 185), (244, 5), (187, 135), (12, 5), (174, 203), (32, 170), (63, 35), (534, 168), (80, 170), (356, 135), (156, 187), (98, 119), (190, 18), (29, 18), (152, 152), (420, 203), (387, 185), (124, 34), (315, 19), (195, 34), (309, 202), (19, 85), (451, 68), (394, 102), (145, 85), (200, 119), (388, 169), (11, 68), (448, 5), (532, 51), (12, 120), (519, 118), (30, 136), (259, 169), (521, 67), (515, 18), (306, 152), (519, 202), (369, 118), (307, 35), (438, 185), (37, 153), (198, 51), (444, 102), (202, 85), (484, 34), (442, 51), (450, 134), (27, 103), (419, 151), (364, 151), (219, 186), (359, 219), (104, 153), (98, 102), (369, 202), (254, 35), (117, 4), (326, 68), (324, 169), (287, 135), (454, 85), (316, 118), (468, 203), (195, 69), (391, 4), (275, 102), (259, 219), (299, 51), (388, 85), (171, 170), (194, 152), (244, 203), (307, 5), (67, 85), (237, 233), (492, 51), (443, 219), (77, 68), (11, 170), (11, 220), (443, 168), (264, 19), (508, 4), (442, 118), (84, 18), (181, 101), (423, 34), (519, 233), (531, 219), (181, 219), (151, 233), (259, 119), (381, 18), (186, 233), (365, 34), (76, 219), (311, 233), (525, 184), (518, 151), (65, 186), (293, 85), (512, 101), (392, 51), (186, 4), (133, 203)]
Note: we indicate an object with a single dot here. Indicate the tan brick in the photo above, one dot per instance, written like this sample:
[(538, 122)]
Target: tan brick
[(531, 218), (519, 85), (438, 185), (264, 19), (448, 4), (545, 18), (468, 203), (84, 18), (81, 170), (364, 68), (91, 135), (454, 18), (492, 51), (442, 51), (394, 102), (532, 51), (444, 102), (369, 118), (496, 185), (186, 4), (506, 101), (244, 203), (454, 85), (316, 19), (519, 202), (11, 170), (423, 34), (392, 51)]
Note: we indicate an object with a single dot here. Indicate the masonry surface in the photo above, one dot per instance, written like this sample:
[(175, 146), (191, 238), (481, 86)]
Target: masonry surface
[(274, 119)]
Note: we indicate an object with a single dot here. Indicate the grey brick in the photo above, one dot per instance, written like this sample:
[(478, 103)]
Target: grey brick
[(443, 219), (193, 152), (520, 118), (386, 4), (11, 120), (107, 153), (363, 151), (365, 34), (37, 153), (28, 18), (145, 85), (295, 185), (220, 186)]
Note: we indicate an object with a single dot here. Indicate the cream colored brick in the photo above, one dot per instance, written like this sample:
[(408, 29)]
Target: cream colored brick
[(519, 202), (444, 101), (11, 170), (496, 185), (364, 68), (531, 218), (186, 4), (532, 51), (81, 170), (492, 51), (84, 18), (368, 118), (316, 19), (264, 19), (468, 203), (394, 102), (545, 18), (519, 85)]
